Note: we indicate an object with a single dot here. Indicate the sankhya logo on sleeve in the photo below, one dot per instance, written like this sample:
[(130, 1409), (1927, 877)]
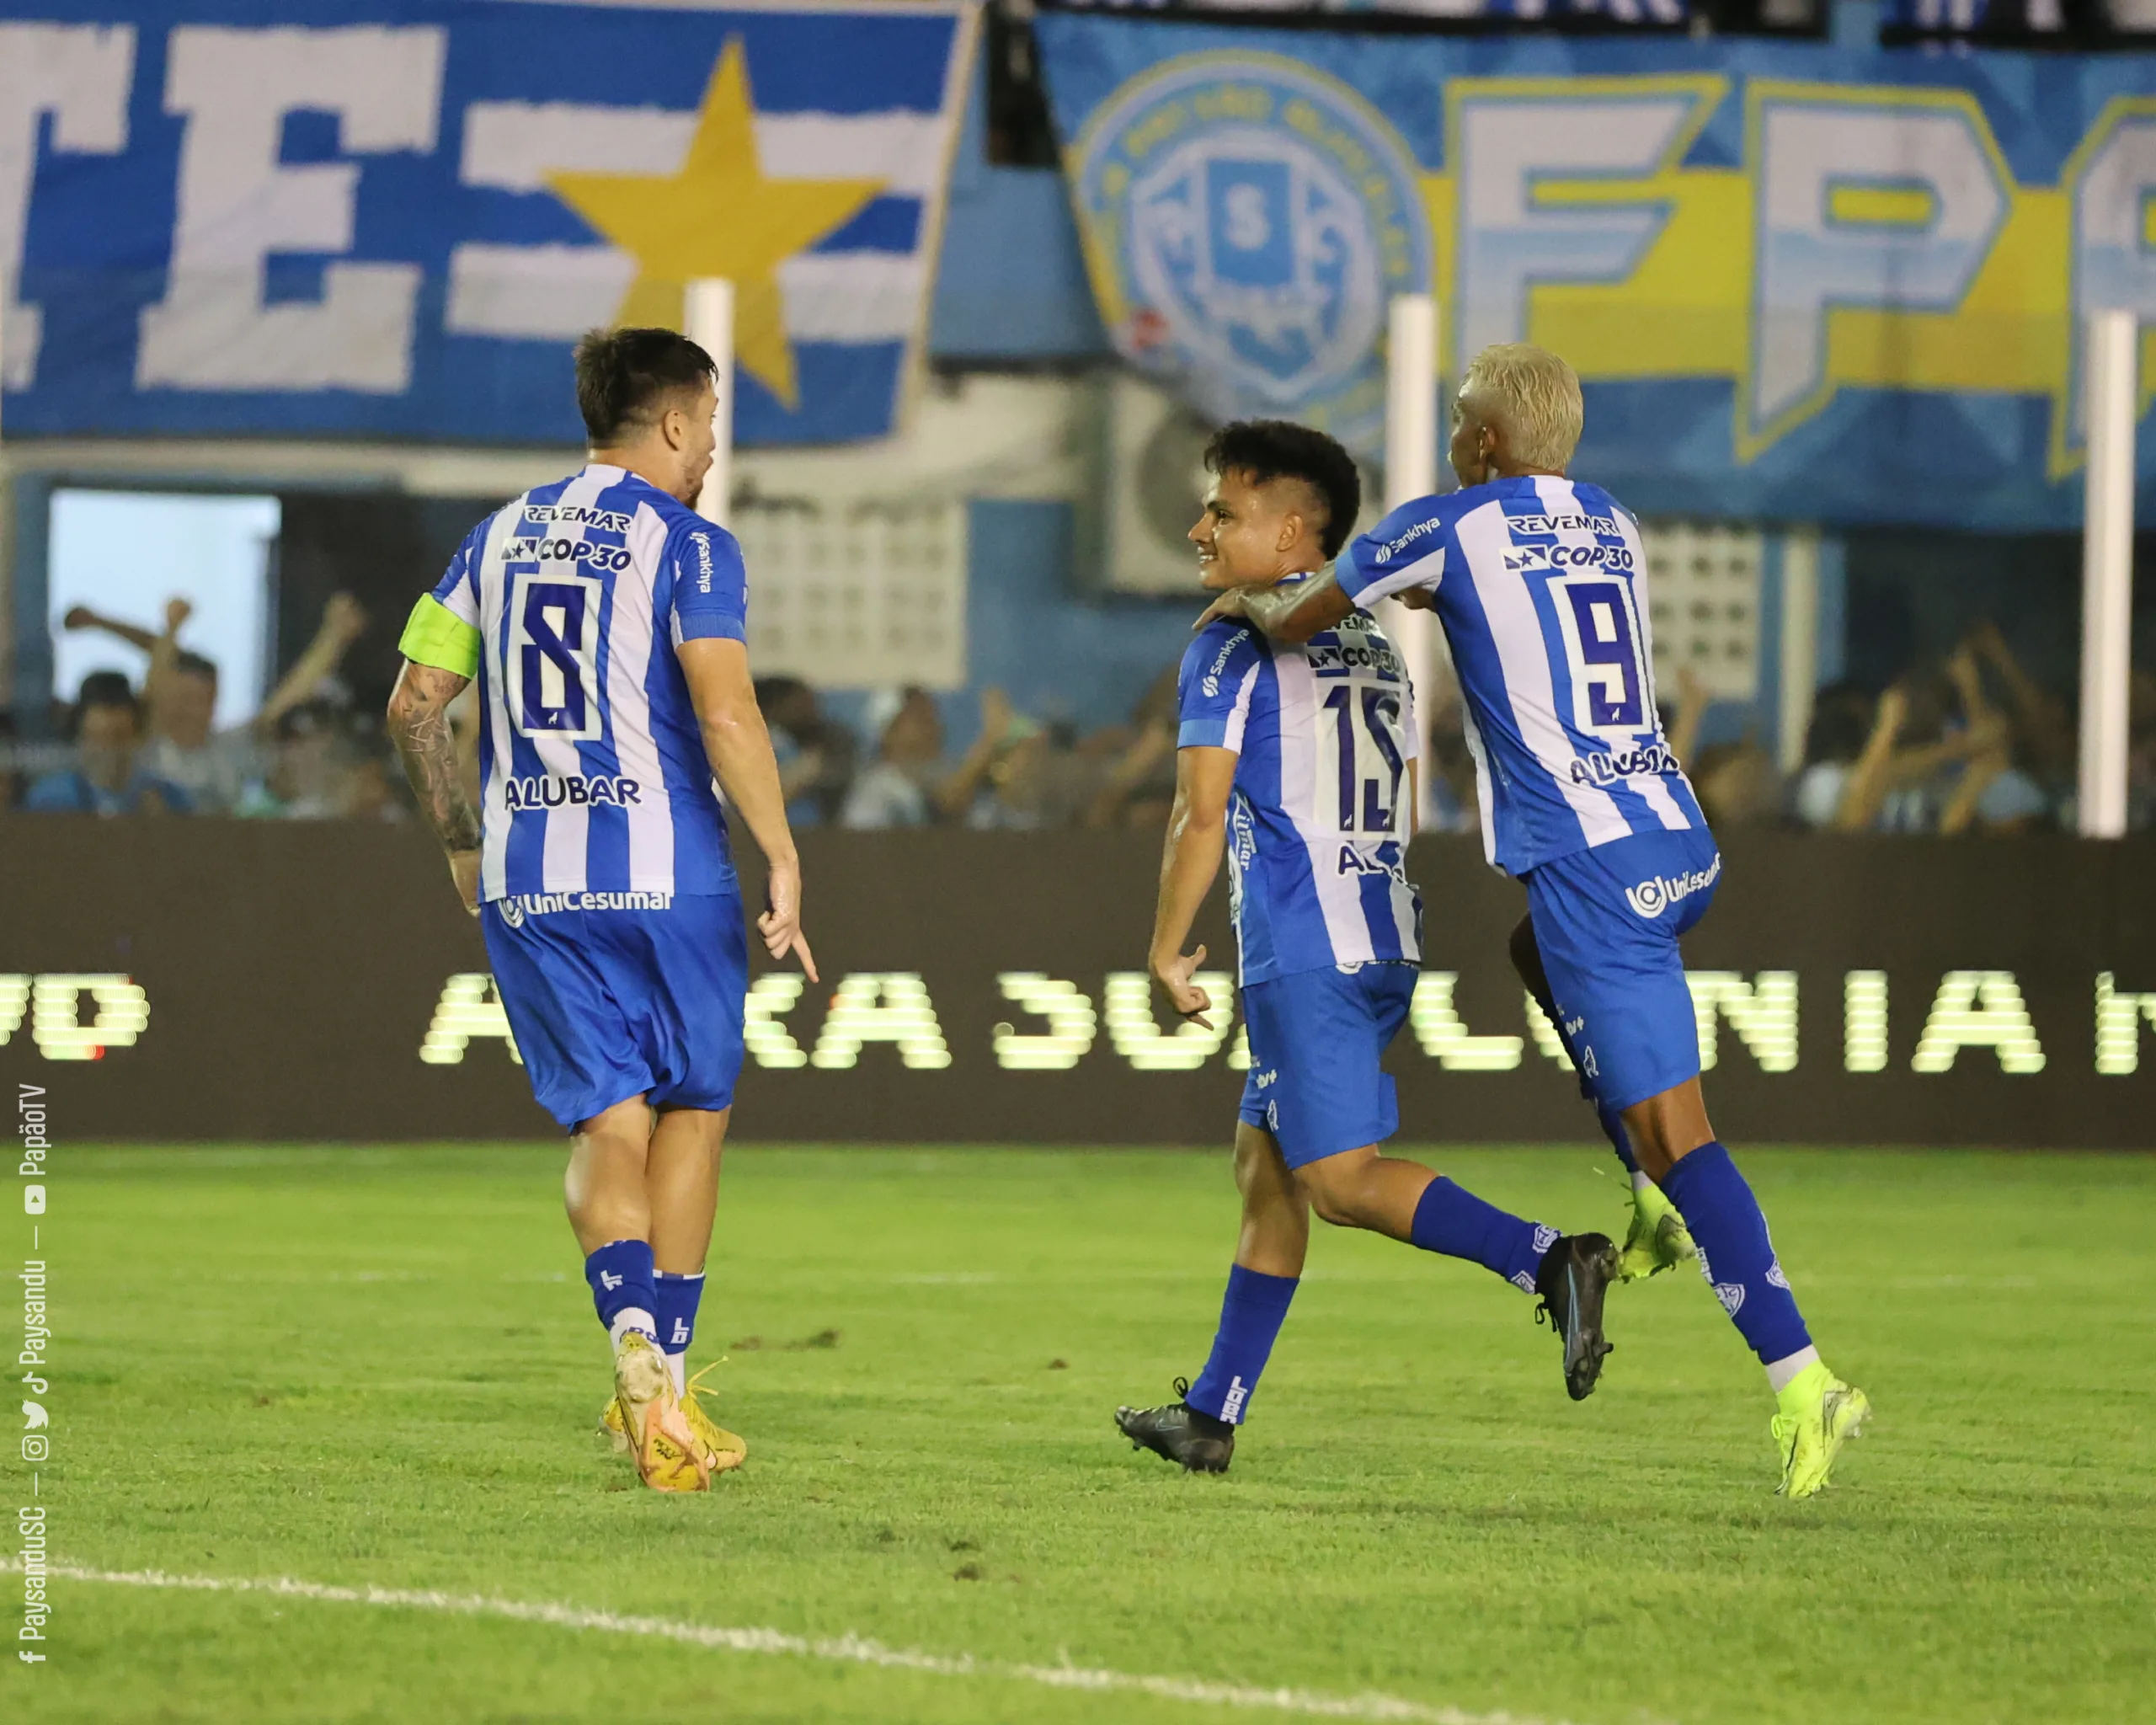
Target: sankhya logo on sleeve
[(1651, 897), (1392, 548), (1212, 678)]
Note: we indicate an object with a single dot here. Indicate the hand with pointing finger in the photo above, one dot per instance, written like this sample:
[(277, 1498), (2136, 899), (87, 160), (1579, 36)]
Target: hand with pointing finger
[(1173, 972)]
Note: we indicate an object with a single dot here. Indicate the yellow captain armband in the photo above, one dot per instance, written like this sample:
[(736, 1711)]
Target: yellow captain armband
[(437, 635)]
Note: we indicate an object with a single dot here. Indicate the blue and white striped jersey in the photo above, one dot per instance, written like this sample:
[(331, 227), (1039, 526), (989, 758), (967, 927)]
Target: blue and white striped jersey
[(1321, 811), (592, 774), (1541, 586)]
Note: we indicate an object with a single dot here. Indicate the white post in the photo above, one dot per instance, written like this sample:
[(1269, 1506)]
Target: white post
[(707, 320), (1411, 471), (2107, 572), (1800, 656)]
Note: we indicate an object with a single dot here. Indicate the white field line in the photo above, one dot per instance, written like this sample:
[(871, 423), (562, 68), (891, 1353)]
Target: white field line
[(849, 1649)]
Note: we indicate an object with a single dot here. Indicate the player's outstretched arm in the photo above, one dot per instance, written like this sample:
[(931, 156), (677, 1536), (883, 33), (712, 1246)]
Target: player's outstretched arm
[(1197, 838), (419, 724), (1293, 612), (740, 750)]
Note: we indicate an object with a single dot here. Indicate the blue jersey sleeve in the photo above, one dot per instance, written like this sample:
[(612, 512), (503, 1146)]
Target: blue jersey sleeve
[(457, 592), (1406, 549), (710, 583), (1219, 670)]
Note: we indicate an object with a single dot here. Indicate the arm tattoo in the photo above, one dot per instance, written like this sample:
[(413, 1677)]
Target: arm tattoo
[(419, 719), (1298, 612)]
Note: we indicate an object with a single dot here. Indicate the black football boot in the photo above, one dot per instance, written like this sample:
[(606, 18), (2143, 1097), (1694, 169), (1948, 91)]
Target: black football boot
[(1198, 1442), (1572, 1280)]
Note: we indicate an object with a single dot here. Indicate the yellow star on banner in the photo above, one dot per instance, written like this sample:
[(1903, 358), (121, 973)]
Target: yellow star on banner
[(717, 215)]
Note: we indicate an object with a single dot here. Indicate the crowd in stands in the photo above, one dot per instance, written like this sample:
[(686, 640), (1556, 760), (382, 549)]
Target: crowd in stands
[(1019, 774), (307, 753), (1973, 745)]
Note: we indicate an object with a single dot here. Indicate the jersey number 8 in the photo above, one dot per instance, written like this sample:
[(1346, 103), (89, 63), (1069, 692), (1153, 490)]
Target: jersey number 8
[(553, 657)]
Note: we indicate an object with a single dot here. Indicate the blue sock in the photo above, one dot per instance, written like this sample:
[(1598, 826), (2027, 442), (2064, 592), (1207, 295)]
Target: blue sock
[(1620, 1139), (1451, 1220), (1736, 1256), (678, 1297), (1251, 1316), (622, 1280)]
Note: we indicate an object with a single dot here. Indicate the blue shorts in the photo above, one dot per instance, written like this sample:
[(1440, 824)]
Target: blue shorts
[(1606, 921), (1315, 1040), (605, 1004)]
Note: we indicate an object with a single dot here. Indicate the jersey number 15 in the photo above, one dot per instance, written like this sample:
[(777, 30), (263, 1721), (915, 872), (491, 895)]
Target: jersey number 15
[(1366, 725)]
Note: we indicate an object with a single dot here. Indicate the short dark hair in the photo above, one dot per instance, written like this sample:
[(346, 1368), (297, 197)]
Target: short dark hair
[(105, 688), (193, 665), (1279, 449), (621, 375)]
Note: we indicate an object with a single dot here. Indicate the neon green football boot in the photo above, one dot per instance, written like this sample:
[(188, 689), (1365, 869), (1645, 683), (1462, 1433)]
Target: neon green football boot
[(1818, 1415), (1658, 1240)]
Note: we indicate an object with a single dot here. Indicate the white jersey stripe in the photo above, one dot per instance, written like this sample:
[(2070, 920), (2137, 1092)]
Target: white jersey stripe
[(493, 798), (1239, 718), (1485, 805), (629, 702), (1656, 795)]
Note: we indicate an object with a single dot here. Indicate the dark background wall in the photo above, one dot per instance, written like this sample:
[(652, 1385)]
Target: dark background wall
[(292, 973)]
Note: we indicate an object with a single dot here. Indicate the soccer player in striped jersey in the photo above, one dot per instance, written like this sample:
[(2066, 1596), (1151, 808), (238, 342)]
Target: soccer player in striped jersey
[(1299, 762), (1539, 582), (605, 620)]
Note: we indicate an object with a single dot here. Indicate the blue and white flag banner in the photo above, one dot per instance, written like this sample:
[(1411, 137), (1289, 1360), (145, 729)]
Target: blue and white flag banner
[(393, 217), (1797, 282), (1596, 13)]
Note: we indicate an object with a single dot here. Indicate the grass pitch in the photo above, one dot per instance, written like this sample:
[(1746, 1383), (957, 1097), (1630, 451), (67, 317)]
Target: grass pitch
[(379, 1368)]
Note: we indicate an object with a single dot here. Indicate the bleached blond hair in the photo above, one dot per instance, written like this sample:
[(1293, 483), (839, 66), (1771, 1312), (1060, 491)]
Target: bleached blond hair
[(1533, 397)]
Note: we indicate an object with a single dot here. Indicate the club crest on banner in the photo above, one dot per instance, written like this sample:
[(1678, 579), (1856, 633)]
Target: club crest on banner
[(1246, 221)]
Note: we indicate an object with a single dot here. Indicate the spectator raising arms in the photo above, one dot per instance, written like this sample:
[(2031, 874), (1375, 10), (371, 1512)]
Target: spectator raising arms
[(215, 768), (109, 776)]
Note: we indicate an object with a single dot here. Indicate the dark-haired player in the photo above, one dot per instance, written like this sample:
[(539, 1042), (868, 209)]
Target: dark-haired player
[(605, 620), (1539, 582), (1300, 762)]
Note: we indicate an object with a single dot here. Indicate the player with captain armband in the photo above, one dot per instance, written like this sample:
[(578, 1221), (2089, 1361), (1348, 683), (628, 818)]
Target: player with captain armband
[(605, 622)]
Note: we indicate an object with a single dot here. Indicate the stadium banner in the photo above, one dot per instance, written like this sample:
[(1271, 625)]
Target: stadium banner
[(392, 218), (1799, 282), (218, 981), (1594, 14)]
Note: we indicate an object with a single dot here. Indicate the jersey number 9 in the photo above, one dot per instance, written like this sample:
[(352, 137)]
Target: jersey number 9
[(1602, 640)]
